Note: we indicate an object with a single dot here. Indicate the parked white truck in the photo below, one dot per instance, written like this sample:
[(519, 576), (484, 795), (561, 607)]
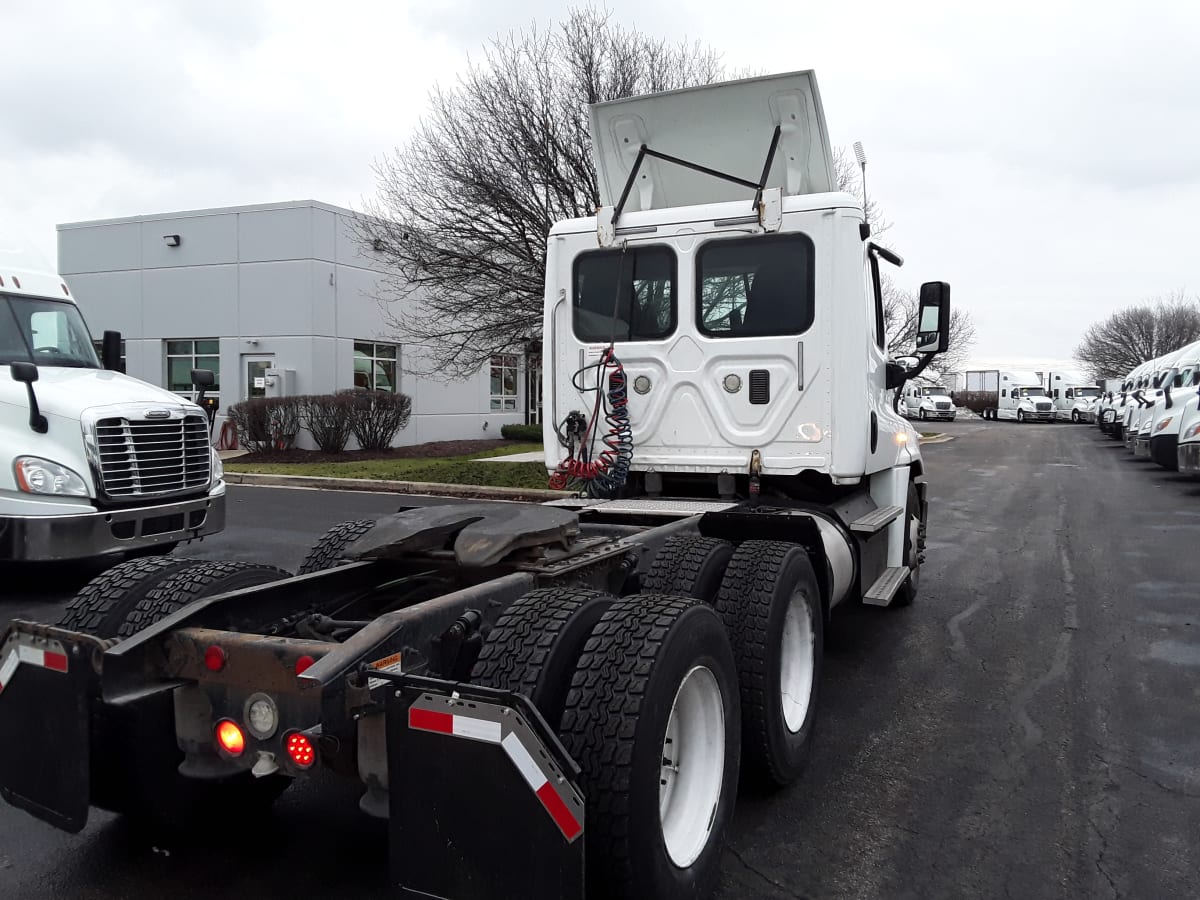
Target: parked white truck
[(1187, 455), (94, 463), (928, 401), (1137, 434), (1159, 435), (1073, 395), (561, 698)]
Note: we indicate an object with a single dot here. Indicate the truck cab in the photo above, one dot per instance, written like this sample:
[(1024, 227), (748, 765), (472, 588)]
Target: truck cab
[(1023, 398), (1137, 437), (925, 401), (96, 463), (1187, 454), (1073, 396), (1161, 426)]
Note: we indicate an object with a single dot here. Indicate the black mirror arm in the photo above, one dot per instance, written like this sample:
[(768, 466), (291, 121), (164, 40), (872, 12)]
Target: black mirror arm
[(28, 373)]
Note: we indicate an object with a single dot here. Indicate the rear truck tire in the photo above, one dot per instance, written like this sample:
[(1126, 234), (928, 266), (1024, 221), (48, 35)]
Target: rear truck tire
[(104, 602), (536, 642), (688, 566), (205, 579), (327, 552), (652, 719), (770, 602), (912, 551), (135, 759)]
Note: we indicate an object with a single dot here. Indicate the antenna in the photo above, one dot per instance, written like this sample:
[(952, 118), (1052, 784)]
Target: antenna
[(861, 156)]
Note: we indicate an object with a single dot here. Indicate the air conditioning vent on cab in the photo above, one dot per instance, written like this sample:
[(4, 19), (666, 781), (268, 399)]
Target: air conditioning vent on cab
[(760, 386)]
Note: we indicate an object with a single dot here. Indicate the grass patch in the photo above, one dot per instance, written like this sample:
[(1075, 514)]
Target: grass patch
[(443, 470)]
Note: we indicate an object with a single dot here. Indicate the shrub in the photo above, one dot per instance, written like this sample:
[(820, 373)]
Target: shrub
[(266, 423), (328, 418), (521, 433), (376, 417)]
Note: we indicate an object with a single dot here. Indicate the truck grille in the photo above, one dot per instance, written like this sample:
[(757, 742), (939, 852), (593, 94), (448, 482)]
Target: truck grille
[(153, 456), (941, 404), (1043, 407)]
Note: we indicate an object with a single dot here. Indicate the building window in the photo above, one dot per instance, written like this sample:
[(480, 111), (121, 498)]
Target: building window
[(505, 368), (375, 366), (197, 353), (99, 345)]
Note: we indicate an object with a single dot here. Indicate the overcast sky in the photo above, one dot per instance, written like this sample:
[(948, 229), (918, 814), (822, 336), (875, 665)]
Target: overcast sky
[(1044, 158)]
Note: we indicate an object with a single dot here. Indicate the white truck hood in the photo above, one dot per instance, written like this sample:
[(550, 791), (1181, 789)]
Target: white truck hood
[(67, 392)]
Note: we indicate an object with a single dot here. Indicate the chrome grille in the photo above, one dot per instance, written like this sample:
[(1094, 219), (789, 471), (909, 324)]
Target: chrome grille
[(942, 404), (152, 456), (1043, 407)]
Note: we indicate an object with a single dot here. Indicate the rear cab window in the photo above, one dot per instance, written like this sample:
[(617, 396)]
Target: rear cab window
[(755, 287), (624, 295)]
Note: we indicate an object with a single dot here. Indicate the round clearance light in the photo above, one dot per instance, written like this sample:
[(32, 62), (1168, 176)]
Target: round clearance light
[(300, 749), (641, 384), (230, 737), (303, 664), (262, 717), (732, 383)]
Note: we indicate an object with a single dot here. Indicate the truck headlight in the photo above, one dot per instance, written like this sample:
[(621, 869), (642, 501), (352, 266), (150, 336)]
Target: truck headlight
[(218, 467), (1193, 431), (41, 476), (1164, 423)]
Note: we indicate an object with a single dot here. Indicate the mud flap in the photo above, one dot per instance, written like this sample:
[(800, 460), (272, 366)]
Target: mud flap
[(483, 799), (46, 681)]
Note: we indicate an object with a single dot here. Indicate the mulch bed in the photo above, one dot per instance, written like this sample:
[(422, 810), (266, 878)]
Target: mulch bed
[(434, 449)]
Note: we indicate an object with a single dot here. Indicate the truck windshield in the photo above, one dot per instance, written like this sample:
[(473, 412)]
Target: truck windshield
[(936, 391), (45, 332), (1087, 392), (1029, 392)]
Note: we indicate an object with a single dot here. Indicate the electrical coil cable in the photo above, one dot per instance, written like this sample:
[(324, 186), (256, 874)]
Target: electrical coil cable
[(600, 474)]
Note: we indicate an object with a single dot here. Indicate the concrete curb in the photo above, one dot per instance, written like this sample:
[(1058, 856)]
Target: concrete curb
[(472, 491)]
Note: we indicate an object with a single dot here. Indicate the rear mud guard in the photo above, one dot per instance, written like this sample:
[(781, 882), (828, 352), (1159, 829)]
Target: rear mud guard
[(483, 798), (47, 680)]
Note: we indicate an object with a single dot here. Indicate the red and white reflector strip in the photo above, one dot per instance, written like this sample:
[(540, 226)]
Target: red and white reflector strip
[(493, 733), (18, 653)]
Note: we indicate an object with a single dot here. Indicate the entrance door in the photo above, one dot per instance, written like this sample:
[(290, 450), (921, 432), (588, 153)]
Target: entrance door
[(533, 389), (254, 369)]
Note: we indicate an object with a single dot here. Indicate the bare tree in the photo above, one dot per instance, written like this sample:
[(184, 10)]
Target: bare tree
[(464, 209), (1131, 336)]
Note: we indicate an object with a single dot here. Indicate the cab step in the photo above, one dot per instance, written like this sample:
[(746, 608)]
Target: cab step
[(883, 591), (876, 520)]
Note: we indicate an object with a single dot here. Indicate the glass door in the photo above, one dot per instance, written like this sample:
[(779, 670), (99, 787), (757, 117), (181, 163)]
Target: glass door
[(255, 382)]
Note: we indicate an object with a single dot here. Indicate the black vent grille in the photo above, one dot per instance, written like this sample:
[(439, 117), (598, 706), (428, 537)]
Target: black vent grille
[(760, 386), (153, 456), (941, 404), (1043, 407)]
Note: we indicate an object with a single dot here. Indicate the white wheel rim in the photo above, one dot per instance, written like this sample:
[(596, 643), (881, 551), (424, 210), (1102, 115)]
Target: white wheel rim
[(796, 662), (693, 766)]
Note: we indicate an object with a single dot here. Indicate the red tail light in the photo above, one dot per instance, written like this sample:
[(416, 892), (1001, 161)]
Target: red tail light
[(303, 663), (214, 658), (230, 737), (300, 749)]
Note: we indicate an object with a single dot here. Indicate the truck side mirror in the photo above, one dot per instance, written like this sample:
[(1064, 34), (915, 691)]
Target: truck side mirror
[(110, 351), (203, 379), (933, 318), (27, 373)]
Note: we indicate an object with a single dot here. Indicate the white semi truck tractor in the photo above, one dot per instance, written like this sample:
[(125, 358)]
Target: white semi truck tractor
[(95, 464), (1159, 436), (1073, 396), (556, 700), (928, 401)]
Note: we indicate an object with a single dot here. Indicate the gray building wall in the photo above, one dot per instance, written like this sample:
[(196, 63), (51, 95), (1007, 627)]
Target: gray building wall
[(287, 281)]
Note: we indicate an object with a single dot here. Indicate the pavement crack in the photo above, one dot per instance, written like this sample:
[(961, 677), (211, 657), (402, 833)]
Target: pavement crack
[(754, 870)]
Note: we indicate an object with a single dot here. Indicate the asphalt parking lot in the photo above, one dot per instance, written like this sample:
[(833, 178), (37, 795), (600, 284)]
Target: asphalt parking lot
[(1029, 728)]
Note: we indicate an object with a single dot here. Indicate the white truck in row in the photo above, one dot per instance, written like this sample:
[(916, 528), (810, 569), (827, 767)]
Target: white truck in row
[(1156, 410), (95, 464), (558, 700)]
